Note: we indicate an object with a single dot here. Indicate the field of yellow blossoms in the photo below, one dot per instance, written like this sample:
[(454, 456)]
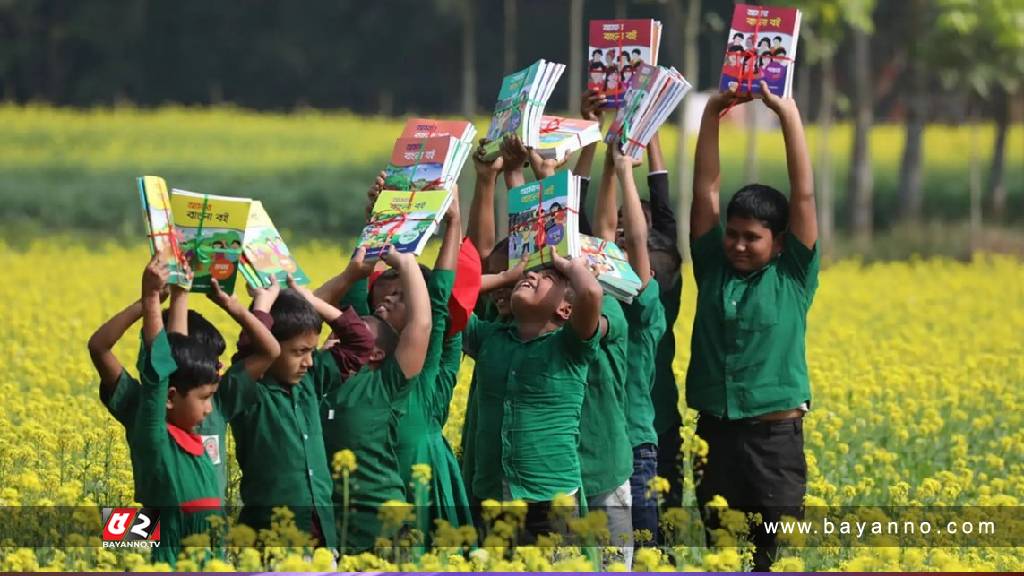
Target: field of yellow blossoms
[(917, 371)]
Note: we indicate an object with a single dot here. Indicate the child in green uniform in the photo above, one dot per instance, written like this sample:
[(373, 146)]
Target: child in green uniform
[(756, 279), (362, 413), (179, 380), (282, 426)]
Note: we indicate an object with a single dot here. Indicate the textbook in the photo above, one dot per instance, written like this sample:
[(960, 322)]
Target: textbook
[(265, 256), (654, 93), (761, 46), (609, 264), (405, 219), (520, 105), (617, 48), (543, 217), (560, 137), (164, 238), (429, 154), (212, 229)]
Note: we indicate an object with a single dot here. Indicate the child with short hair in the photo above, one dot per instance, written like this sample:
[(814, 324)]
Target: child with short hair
[(756, 280), (179, 380)]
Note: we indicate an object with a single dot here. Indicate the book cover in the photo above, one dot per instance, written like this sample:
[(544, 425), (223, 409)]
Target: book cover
[(560, 137), (212, 231), (265, 255), (429, 128), (542, 218), (164, 238), (761, 46), (511, 107), (617, 48), (405, 219), (611, 267), (419, 163)]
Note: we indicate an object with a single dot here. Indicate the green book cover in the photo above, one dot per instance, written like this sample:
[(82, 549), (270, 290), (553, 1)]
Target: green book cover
[(265, 255), (212, 229), (541, 219), (510, 111), (611, 267), (164, 238)]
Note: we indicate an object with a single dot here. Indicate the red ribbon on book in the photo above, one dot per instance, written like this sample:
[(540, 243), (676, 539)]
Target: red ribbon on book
[(552, 125), (750, 67)]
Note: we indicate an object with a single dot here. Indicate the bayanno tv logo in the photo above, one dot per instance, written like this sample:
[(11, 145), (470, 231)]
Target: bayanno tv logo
[(131, 528)]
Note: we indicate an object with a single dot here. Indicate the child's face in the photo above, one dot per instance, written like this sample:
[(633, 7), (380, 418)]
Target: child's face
[(540, 294), (296, 358), (749, 244), (187, 410), (388, 303)]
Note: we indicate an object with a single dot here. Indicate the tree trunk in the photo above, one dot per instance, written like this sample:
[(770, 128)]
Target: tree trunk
[(511, 32), (910, 196), (824, 185), (684, 159), (974, 170), (802, 91), (468, 58), (575, 53), (996, 182), (860, 180)]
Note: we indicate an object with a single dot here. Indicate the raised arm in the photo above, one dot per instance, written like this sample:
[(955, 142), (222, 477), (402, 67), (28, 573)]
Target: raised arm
[(514, 156), (663, 216), (415, 337), (154, 278), (357, 270), (177, 312), (505, 278), (633, 222), (448, 256), (606, 217), (586, 308), (803, 216), (355, 341), (264, 347), (707, 171), (591, 107), (481, 228), (101, 345)]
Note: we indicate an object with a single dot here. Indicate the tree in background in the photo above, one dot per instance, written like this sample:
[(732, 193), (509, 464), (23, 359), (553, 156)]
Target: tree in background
[(860, 187), (918, 31)]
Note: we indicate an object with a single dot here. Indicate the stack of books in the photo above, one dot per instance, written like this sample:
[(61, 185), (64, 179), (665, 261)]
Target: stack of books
[(405, 219), (654, 93), (265, 257), (560, 137), (543, 218), (164, 239), (430, 154), (609, 264), (520, 105), (617, 49), (761, 46)]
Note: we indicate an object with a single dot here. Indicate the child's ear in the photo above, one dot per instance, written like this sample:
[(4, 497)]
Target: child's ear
[(171, 392), (564, 310), (377, 355)]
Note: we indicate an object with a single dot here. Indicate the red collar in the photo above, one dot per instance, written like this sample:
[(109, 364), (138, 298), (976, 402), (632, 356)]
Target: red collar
[(189, 442)]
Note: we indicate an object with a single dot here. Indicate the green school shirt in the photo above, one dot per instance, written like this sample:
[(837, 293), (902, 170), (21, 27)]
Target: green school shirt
[(172, 470), (606, 456), (280, 449), (646, 318), (213, 429), (665, 392), (529, 402), (748, 353)]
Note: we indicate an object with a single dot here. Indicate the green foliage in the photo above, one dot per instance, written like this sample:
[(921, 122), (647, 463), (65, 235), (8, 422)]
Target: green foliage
[(980, 44)]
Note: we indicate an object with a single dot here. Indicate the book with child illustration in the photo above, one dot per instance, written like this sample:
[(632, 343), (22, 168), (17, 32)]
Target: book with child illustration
[(654, 93), (761, 46), (617, 48), (212, 229), (432, 163), (265, 256), (543, 217), (609, 264), (164, 238), (405, 219), (560, 137), (520, 105)]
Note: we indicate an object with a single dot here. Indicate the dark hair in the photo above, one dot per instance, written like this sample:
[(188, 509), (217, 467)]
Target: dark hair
[(665, 257), (737, 35), (293, 315), (596, 52), (500, 251), (392, 274), (760, 202), (387, 337), (195, 366), (779, 38), (636, 50), (764, 41), (203, 331)]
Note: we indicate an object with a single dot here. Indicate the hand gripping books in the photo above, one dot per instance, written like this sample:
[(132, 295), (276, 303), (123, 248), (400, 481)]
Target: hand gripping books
[(761, 46), (654, 93)]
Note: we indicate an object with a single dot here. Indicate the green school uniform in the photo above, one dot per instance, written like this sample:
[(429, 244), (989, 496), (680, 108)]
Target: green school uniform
[(173, 472), (213, 429), (420, 439), (361, 414), (606, 456), (280, 449), (646, 318), (748, 353), (529, 402), (665, 392)]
